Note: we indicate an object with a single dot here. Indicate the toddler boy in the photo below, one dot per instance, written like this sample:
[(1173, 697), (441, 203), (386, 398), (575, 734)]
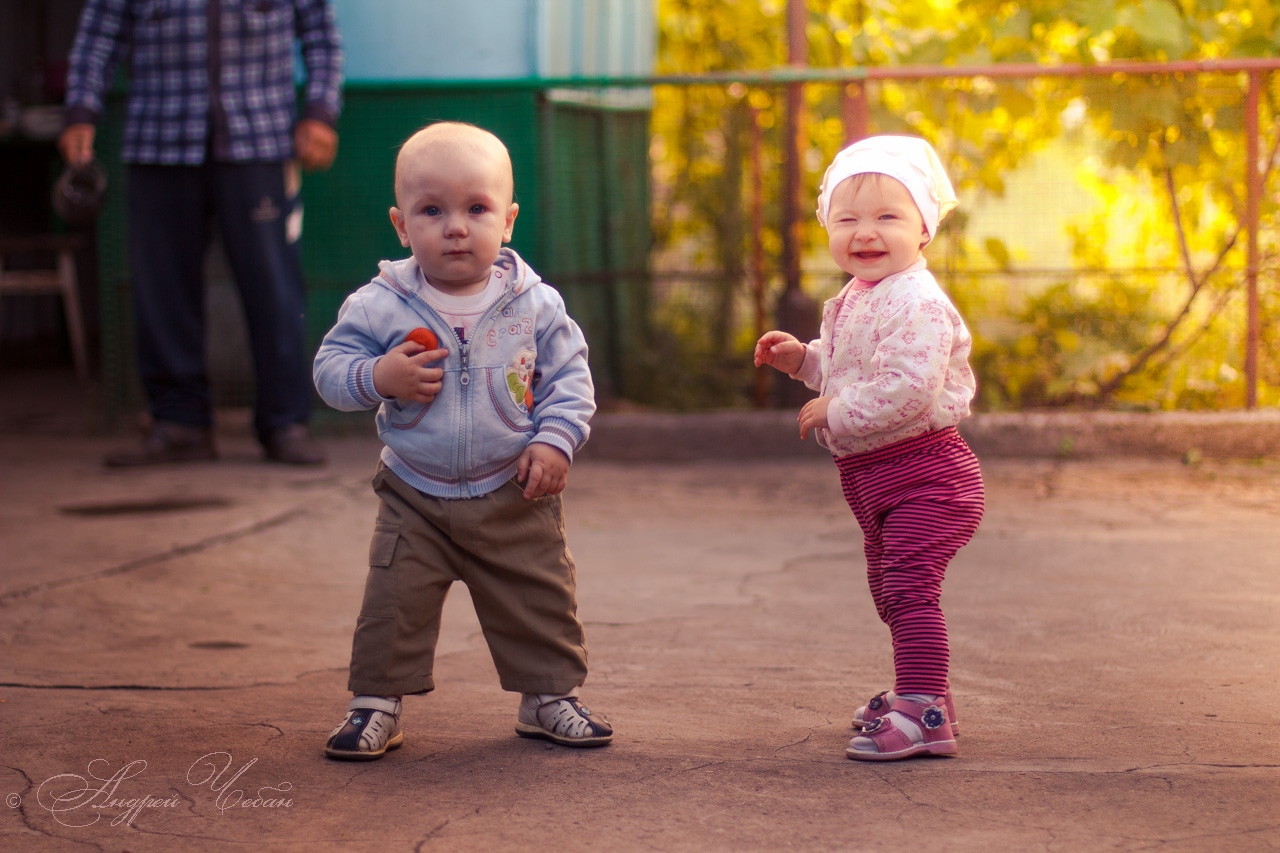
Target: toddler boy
[(504, 399)]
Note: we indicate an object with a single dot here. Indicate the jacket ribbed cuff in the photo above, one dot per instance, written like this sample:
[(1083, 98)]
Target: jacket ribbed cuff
[(360, 384), (561, 434)]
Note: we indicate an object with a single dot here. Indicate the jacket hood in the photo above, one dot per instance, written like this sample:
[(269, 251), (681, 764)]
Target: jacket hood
[(402, 276)]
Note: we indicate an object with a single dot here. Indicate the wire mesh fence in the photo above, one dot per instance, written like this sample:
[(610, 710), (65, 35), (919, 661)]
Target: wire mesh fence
[(1100, 252), (1109, 241)]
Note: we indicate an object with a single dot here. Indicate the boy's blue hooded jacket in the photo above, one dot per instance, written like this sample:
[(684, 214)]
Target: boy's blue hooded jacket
[(523, 377)]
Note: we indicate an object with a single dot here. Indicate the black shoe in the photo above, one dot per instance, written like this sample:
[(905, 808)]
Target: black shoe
[(167, 442), (293, 445)]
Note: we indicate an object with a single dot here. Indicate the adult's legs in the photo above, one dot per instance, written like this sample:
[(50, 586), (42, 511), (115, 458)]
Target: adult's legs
[(252, 209), (168, 235)]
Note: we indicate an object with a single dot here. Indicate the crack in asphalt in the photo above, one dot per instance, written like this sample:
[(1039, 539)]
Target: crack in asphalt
[(169, 687), (1204, 764), (802, 740), (788, 565), (279, 732), (160, 557), (431, 833)]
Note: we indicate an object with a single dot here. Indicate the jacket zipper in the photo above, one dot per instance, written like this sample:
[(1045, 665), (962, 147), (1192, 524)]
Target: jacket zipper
[(464, 379)]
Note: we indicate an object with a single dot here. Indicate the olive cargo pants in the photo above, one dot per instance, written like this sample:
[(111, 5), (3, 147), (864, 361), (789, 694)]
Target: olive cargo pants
[(512, 555)]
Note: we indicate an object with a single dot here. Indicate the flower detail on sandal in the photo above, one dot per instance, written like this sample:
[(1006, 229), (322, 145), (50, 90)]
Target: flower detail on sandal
[(933, 717), (879, 705), (910, 728)]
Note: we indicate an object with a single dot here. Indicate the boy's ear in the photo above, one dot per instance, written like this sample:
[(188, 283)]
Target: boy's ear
[(397, 220), (511, 222)]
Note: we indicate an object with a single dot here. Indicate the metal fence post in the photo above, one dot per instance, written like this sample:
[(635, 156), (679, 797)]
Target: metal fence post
[(796, 311), (1253, 185)]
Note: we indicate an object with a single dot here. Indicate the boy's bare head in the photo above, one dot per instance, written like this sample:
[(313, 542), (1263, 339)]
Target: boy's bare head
[(454, 139)]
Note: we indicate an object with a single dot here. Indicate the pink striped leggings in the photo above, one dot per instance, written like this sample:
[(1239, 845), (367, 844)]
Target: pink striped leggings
[(918, 502)]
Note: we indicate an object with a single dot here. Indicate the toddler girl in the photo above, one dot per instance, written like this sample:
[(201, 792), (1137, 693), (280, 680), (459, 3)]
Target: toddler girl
[(892, 370)]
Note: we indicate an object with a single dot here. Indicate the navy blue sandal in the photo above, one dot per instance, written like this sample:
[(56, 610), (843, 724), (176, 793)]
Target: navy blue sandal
[(370, 730)]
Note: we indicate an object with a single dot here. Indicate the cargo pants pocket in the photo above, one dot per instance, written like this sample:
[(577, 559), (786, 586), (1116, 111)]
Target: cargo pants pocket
[(380, 595)]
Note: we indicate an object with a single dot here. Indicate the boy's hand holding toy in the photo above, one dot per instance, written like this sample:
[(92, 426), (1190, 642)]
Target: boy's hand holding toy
[(403, 373)]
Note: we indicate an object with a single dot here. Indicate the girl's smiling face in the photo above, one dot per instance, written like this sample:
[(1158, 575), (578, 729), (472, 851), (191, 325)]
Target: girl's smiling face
[(874, 228)]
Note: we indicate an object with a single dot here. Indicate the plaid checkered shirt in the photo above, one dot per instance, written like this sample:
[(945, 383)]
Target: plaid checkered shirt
[(169, 119)]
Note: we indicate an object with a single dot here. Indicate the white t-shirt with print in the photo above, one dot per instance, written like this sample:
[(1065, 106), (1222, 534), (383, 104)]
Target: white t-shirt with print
[(462, 312)]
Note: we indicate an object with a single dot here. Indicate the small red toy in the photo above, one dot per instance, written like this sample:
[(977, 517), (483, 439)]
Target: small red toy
[(426, 337)]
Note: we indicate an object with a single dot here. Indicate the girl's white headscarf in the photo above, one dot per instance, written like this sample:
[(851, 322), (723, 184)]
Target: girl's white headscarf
[(910, 159)]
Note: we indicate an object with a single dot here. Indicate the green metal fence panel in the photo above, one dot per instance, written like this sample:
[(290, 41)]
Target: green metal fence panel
[(596, 160), (121, 389), (581, 180), (347, 229)]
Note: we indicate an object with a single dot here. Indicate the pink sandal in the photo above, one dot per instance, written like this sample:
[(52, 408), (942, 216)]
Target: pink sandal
[(891, 743), (878, 706)]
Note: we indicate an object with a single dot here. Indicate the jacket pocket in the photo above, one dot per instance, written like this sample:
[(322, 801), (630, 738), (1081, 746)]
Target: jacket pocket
[(503, 387), (381, 587), (400, 416)]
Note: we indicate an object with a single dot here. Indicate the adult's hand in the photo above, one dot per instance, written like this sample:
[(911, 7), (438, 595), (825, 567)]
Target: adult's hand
[(76, 144), (315, 144)]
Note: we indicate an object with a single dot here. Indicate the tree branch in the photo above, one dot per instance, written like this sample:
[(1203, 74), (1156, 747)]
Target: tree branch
[(1106, 389), (1220, 303)]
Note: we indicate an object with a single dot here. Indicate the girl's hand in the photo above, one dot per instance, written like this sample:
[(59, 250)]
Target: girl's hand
[(403, 373), (814, 415), (781, 351)]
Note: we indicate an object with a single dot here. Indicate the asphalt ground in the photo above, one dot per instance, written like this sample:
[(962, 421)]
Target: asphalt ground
[(175, 644)]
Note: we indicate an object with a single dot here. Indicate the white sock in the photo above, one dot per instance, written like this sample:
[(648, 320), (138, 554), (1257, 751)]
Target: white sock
[(537, 700)]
